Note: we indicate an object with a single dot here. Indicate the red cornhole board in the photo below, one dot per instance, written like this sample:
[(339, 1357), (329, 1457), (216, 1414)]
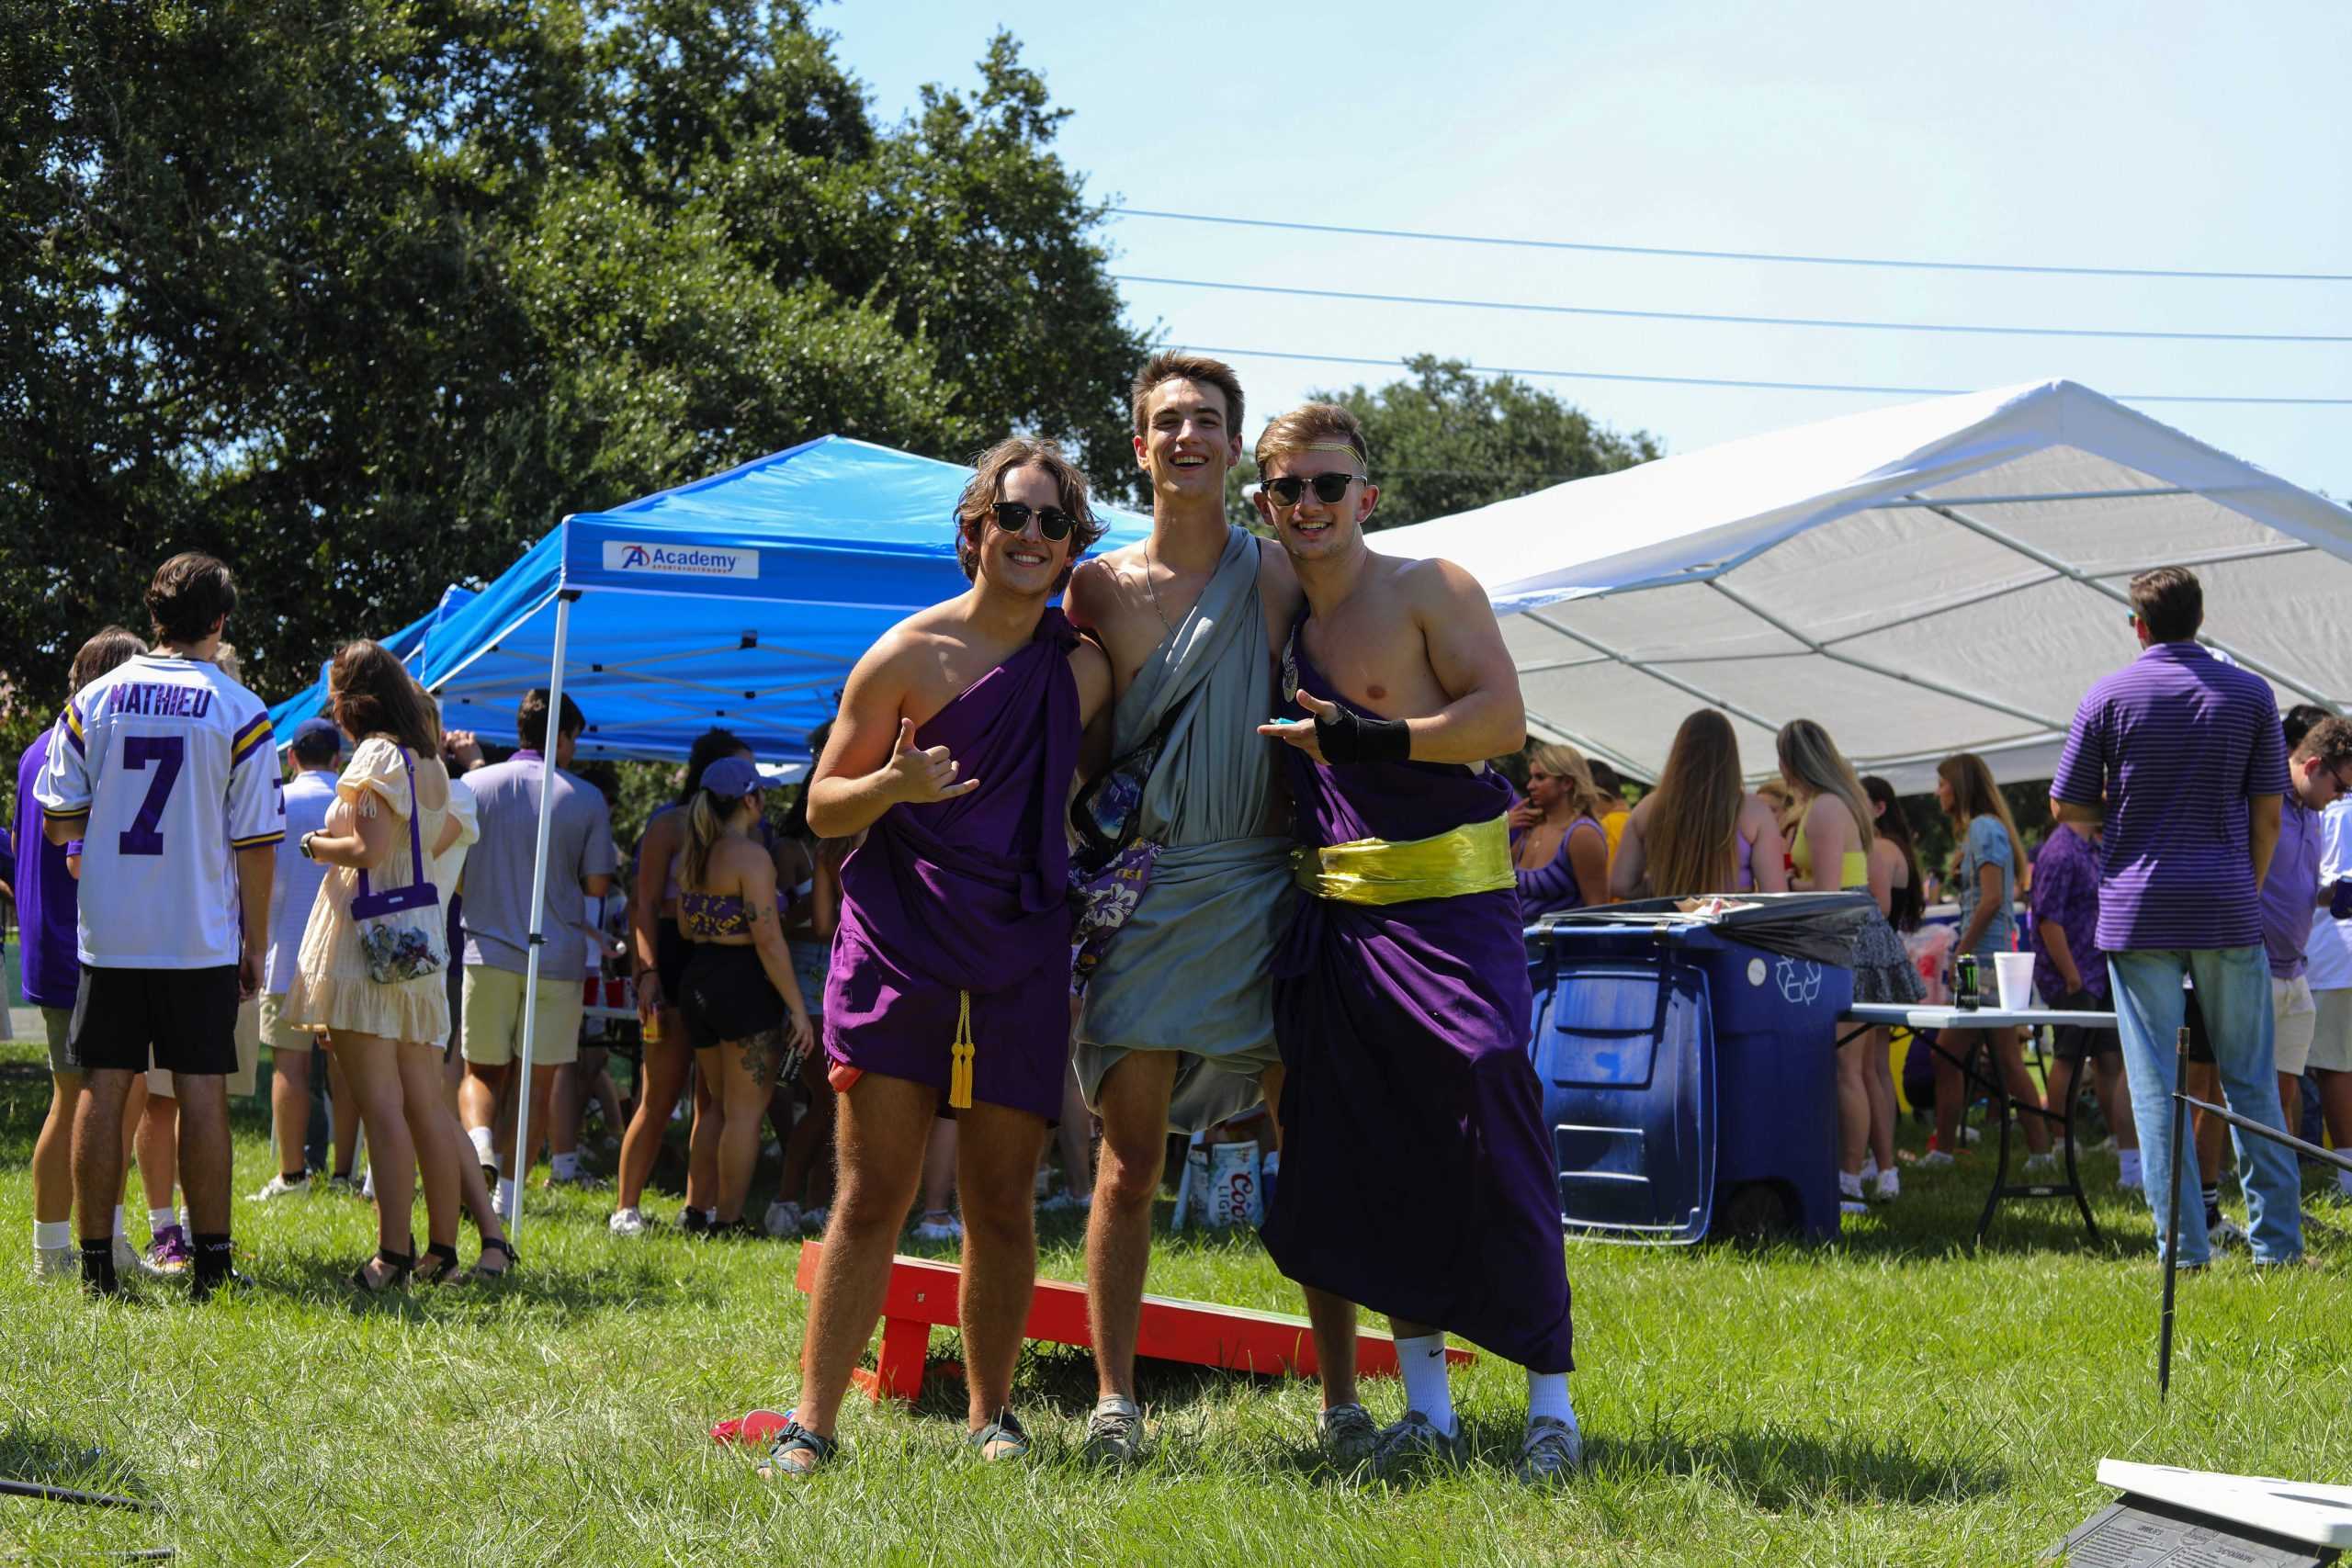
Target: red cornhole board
[(923, 1294)]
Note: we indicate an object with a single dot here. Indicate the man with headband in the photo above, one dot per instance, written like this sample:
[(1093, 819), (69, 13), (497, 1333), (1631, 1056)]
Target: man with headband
[(1401, 996), (1177, 1027), (954, 754)]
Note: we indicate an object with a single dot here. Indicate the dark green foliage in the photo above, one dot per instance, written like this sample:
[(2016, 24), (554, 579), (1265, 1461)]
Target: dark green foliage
[(364, 296)]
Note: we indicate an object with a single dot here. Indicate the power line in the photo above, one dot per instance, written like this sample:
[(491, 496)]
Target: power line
[(1757, 386), (1734, 256), (1731, 320)]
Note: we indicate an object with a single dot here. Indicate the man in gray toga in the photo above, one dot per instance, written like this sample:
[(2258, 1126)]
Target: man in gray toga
[(1178, 1023)]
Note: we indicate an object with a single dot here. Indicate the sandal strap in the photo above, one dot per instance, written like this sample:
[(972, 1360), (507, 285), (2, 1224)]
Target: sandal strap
[(797, 1439), (1005, 1429), (500, 1242)]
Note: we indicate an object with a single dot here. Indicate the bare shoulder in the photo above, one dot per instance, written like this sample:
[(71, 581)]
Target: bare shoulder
[(1091, 667), (1435, 583)]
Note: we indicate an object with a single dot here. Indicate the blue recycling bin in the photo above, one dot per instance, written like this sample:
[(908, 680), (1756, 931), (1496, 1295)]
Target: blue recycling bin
[(1689, 1077)]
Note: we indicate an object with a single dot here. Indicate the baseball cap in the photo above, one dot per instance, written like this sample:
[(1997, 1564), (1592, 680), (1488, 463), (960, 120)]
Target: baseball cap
[(316, 738), (731, 778)]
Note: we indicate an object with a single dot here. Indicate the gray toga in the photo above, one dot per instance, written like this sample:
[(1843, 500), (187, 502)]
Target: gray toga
[(1188, 970)]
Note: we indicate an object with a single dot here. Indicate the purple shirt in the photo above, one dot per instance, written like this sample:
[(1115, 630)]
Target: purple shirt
[(2065, 895), (46, 904), (2291, 891), (2175, 743)]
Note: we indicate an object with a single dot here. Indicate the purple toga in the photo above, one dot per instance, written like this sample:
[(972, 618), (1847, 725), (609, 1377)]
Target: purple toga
[(1416, 1178), (955, 922)]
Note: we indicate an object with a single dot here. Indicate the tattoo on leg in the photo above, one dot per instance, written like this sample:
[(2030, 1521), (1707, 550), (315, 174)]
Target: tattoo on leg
[(760, 1053)]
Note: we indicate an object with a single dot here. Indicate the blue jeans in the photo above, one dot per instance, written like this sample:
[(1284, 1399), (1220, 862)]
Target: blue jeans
[(2233, 990)]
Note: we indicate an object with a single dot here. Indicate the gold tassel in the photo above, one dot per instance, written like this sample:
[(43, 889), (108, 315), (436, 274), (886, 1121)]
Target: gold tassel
[(959, 1071)]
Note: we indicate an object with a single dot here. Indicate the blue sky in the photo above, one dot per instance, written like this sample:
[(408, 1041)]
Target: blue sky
[(2160, 134)]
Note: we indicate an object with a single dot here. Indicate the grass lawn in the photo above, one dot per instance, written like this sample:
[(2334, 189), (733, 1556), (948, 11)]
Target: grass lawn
[(1895, 1398)]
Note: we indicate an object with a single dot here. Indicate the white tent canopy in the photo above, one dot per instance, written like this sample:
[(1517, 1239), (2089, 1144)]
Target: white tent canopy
[(1937, 577)]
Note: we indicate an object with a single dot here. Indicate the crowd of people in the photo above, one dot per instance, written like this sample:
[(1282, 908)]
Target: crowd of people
[(1320, 913)]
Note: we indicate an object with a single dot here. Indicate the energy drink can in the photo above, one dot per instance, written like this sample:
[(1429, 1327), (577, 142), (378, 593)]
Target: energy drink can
[(1966, 981)]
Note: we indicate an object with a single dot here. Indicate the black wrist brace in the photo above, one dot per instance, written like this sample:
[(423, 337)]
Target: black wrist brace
[(1349, 737)]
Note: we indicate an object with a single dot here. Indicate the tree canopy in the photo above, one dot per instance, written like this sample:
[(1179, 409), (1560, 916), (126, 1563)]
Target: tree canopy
[(363, 295)]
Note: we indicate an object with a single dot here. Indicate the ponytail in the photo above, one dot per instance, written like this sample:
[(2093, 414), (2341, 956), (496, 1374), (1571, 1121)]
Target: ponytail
[(704, 826)]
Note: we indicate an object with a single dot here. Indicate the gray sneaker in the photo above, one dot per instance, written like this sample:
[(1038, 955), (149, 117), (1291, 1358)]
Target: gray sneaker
[(2225, 1234), (1553, 1453), (1408, 1444), (57, 1263), (1115, 1432), (1347, 1435)]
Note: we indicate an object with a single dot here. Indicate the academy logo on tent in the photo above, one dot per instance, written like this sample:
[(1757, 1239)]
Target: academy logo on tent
[(690, 560)]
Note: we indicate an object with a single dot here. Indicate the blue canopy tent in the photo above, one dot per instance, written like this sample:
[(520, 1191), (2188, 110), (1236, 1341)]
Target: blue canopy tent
[(406, 643), (741, 600)]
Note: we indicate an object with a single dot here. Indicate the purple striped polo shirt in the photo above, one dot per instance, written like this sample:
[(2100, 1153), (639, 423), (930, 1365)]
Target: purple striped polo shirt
[(2175, 743)]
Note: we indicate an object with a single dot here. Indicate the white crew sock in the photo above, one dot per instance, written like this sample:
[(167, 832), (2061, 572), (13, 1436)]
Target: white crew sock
[(1422, 1360), (506, 1198), (2127, 1165), (162, 1219), (117, 1219), (481, 1137), (50, 1234), (711, 1214), (565, 1166), (1547, 1395)]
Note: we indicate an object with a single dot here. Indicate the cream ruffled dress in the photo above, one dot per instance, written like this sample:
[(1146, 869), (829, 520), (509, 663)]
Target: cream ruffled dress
[(331, 988)]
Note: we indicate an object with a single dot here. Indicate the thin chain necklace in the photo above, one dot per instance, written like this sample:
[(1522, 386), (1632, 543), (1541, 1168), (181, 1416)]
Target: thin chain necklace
[(1154, 587)]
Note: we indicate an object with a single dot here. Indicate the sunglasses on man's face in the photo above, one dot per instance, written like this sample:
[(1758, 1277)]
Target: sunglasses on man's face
[(1012, 516), (1328, 488)]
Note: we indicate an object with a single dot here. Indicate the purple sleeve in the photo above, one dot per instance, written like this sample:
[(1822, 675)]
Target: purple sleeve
[(2266, 765), (2081, 778)]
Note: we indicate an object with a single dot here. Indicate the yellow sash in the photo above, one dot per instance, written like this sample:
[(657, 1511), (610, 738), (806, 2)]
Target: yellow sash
[(1472, 858)]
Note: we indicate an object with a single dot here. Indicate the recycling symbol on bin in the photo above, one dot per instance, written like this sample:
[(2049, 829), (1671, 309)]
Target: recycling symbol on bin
[(1800, 982)]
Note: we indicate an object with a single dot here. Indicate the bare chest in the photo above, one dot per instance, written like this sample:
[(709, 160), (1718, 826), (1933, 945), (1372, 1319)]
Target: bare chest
[(1375, 655), (1537, 846)]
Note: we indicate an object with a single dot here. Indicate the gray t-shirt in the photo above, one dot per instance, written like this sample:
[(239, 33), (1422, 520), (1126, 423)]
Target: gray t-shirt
[(497, 901)]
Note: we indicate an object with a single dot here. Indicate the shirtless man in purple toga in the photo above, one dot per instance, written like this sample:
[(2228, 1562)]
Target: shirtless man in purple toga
[(954, 754), (1418, 1179)]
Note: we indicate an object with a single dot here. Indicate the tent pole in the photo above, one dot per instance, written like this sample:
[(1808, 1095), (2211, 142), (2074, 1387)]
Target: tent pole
[(538, 906)]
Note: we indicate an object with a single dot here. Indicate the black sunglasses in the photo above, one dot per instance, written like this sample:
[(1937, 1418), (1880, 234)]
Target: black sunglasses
[(1328, 488), (1012, 516)]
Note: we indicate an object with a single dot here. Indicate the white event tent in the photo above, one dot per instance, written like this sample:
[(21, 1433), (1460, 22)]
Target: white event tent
[(1936, 576)]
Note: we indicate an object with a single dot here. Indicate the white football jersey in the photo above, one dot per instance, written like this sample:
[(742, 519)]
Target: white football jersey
[(166, 769)]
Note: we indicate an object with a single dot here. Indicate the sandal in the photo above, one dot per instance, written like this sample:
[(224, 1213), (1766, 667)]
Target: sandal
[(402, 1264), (796, 1440), (512, 1257), (1001, 1439), (440, 1266)]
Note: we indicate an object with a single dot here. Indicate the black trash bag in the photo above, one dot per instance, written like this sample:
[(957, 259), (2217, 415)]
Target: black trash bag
[(1819, 926)]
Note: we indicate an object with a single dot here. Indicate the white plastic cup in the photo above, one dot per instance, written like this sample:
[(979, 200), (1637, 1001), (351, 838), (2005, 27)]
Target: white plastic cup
[(2013, 975)]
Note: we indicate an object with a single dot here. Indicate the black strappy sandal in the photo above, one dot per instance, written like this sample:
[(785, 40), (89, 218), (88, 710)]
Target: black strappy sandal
[(402, 1264), (440, 1266), (512, 1257), (797, 1440)]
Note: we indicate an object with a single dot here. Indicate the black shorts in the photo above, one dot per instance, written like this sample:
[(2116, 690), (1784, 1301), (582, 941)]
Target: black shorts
[(727, 995), (184, 1020), (670, 950), (2072, 1042)]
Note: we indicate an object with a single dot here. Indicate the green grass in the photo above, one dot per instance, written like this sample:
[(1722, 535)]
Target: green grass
[(1895, 1398)]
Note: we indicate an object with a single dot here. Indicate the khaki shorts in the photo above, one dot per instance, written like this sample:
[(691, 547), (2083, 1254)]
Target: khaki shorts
[(58, 1024), (494, 1019), (242, 1081), (2295, 1018), (2332, 1034), (279, 1035)]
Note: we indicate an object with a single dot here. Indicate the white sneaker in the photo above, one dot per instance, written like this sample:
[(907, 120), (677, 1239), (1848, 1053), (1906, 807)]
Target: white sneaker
[(278, 1187), (1849, 1195), (1890, 1187), (1064, 1201), (946, 1228), (130, 1261), (57, 1263), (1870, 1167), (2130, 1181), (782, 1218), (627, 1222), (1936, 1159), (2042, 1164)]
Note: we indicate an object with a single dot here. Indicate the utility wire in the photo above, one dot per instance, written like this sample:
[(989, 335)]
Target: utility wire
[(1734, 256), (1757, 385), (1737, 321)]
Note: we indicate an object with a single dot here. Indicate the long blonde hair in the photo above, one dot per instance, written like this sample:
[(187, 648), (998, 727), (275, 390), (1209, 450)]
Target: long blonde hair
[(1974, 795), (1695, 820), (707, 817), (1810, 757), (1565, 763)]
